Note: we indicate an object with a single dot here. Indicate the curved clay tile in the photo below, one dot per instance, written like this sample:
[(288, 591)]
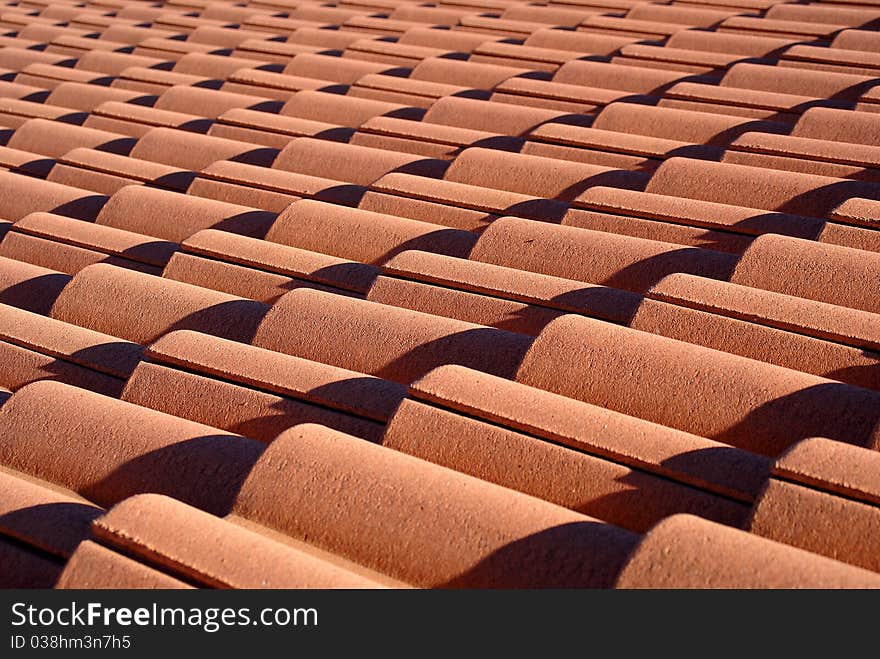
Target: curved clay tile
[(823, 498), (378, 26), (683, 125), (114, 300), (66, 345), (412, 530), (456, 72), (728, 42), (194, 151), (311, 35), (497, 27), (95, 567), (741, 185), (819, 14), (725, 217), (353, 164), (344, 110), (531, 57), (337, 69), (535, 175), (54, 138), (176, 49), (239, 193), (156, 81), (865, 40), (215, 66), (264, 82), (799, 154), (61, 256), (19, 90), (818, 319), (500, 283), (617, 76), (273, 130), (225, 37), (451, 419), (644, 29), (429, 139), (173, 216), (388, 52), (676, 59), (137, 121), (131, 246), (752, 405), (389, 342), (20, 111), (22, 195), (15, 59), (123, 169), (801, 30), (277, 52), (329, 386), (515, 301), (822, 84), (687, 552), (25, 162), (291, 186), (48, 76), (597, 257), (134, 34), (113, 64), (29, 287), (816, 271), (44, 516), (260, 415), (839, 126), (579, 42), (417, 93), (360, 235), (463, 42), (692, 16), (80, 96), (447, 16), (235, 14), (555, 15), (832, 59), (107, 450), (270, 257), (148, 527), (241, 281), (449, 196), (623, 142), (497, 117), (210, 102)]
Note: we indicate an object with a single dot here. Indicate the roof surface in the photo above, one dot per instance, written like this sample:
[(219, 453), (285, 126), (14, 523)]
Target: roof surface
[(476, 294)]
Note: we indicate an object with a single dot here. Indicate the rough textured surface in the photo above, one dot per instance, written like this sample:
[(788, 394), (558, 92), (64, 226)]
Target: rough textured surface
[(478, 293)]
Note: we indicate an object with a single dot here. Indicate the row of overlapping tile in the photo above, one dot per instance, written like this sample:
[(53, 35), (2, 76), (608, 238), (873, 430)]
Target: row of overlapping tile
[(465, 295)]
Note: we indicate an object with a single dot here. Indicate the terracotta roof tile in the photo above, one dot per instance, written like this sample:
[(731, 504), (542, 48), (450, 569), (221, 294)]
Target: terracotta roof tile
[(508, 548), (687, 552), (147, 526), (627, 249), (199, 465), (22, 195), (43, 516), (94, 566), (351, 163), (748, 415)]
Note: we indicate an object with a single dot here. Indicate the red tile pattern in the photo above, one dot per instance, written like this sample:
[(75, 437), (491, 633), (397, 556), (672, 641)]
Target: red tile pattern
[(471, 293)]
